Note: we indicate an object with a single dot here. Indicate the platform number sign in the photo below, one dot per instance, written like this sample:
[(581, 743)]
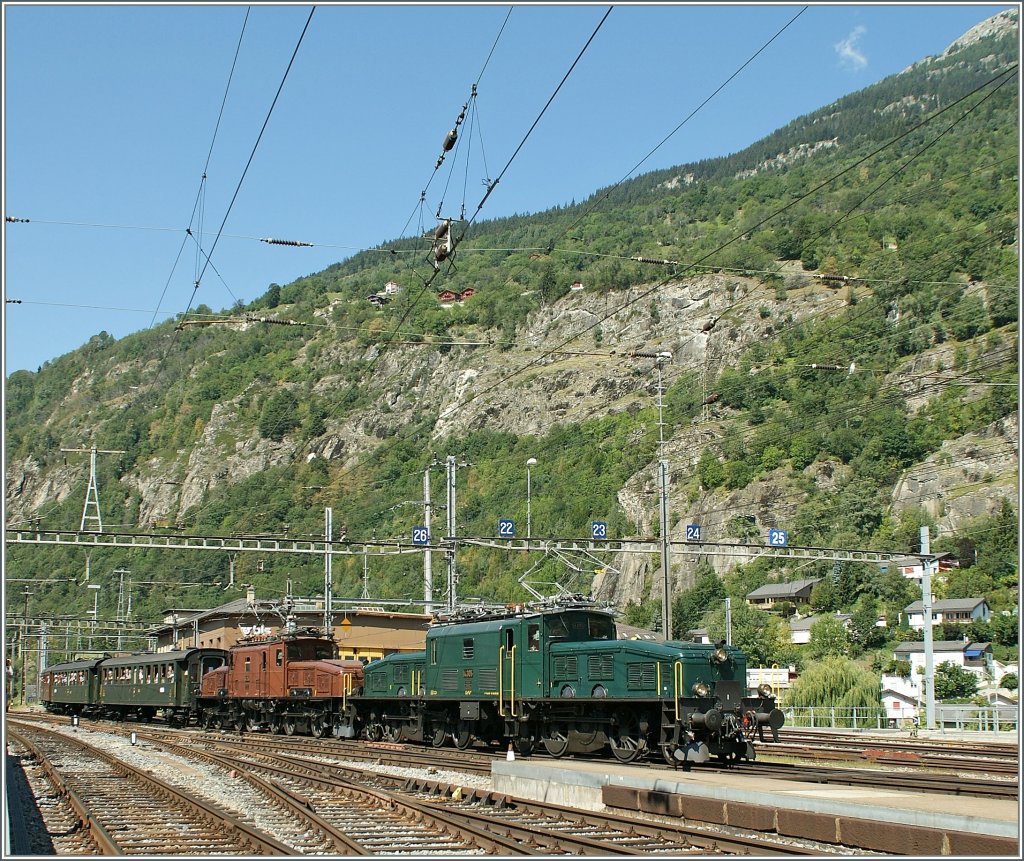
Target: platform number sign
[(598, 529), (506, 529), (693, 532), (420, 535), (777, 537)]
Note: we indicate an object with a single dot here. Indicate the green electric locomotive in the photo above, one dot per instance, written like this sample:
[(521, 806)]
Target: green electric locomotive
[(554, 674)]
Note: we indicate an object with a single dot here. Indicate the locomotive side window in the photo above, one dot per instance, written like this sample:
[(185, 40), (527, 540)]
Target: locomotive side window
[(263, 661), (510, 641), (533, 638), (248, 662), (467, 648), (600, 628), (279, 658), (294, 652), (323, 653), (433, 652)]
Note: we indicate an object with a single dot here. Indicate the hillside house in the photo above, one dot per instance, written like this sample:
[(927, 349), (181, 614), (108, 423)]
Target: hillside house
[(576, 285), (902, 697), (392, 289), (976, 657), (913, 569), (798, 593), (447, 297), (961, 611), (465, 294), (378, 300)]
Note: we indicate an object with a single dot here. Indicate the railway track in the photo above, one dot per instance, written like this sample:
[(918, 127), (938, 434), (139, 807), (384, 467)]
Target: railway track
[(986, 758), (395, 815), (124, 811), (915, 777)]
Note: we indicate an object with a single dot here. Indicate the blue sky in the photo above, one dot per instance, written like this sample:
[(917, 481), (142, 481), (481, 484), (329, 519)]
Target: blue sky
[(110, 111)]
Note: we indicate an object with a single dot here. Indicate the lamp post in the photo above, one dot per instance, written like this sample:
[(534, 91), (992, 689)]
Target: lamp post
[(666, 608), (531, 462), (23, 642)]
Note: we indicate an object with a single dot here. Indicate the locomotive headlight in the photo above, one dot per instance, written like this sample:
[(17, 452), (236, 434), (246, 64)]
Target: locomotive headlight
[(720, 656), (701, 690), (764, 689)]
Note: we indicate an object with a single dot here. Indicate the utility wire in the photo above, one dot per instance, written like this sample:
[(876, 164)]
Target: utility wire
[(252, 155)]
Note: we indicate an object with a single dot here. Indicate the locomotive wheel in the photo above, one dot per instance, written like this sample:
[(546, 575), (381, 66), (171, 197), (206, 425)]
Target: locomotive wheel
[(627, 748), (524, 746), (439, 737), (392, 733), (556, 743), (463, 737), (288, 725), (274, 724), (628, 743)]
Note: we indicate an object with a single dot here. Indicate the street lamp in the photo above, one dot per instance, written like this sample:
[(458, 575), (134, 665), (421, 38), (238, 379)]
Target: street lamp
[(531, 462)]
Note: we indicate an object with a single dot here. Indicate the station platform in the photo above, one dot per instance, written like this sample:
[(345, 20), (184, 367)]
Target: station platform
[(786, 806)]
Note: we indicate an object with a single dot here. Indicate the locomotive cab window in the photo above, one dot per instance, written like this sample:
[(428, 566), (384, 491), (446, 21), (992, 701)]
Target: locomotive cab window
[(248, 664), (279, 657), (263, 661), (510, 641), (433, 652), (600, 628), (557, 629), (294, 652), (533, 638), (323, 653)]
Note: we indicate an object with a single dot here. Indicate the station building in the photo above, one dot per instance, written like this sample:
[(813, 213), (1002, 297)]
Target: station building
[(361, 632)]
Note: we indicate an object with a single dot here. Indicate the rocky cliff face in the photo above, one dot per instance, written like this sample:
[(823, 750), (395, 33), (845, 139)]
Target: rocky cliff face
[(572, 363)]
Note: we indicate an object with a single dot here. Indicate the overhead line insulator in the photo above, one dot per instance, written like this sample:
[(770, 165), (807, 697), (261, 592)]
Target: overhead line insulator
[(655, 261), (12, 220), (287, 242)]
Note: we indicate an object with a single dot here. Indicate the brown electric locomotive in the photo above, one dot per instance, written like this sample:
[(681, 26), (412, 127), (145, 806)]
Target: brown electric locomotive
[(289, 682)]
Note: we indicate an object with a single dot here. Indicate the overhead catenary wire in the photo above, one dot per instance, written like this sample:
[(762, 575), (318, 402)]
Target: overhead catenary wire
[(248, 163)]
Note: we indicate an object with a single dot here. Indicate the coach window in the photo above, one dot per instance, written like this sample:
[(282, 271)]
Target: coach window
[(533, 638), (279, 657)]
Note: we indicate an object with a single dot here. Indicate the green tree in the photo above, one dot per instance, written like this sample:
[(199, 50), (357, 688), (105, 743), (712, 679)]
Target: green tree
[(953, 682), (829, 638), (762, 637), (1009, 681), (689, 607), (279, 415), (836, 681)]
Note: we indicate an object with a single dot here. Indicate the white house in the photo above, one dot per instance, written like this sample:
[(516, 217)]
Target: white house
[(392, 289), (913, 569), (960, 610), (976, 657)]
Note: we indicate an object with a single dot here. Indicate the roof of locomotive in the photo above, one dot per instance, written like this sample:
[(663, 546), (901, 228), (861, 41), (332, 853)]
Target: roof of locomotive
[(552, 606), (284, 637)]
